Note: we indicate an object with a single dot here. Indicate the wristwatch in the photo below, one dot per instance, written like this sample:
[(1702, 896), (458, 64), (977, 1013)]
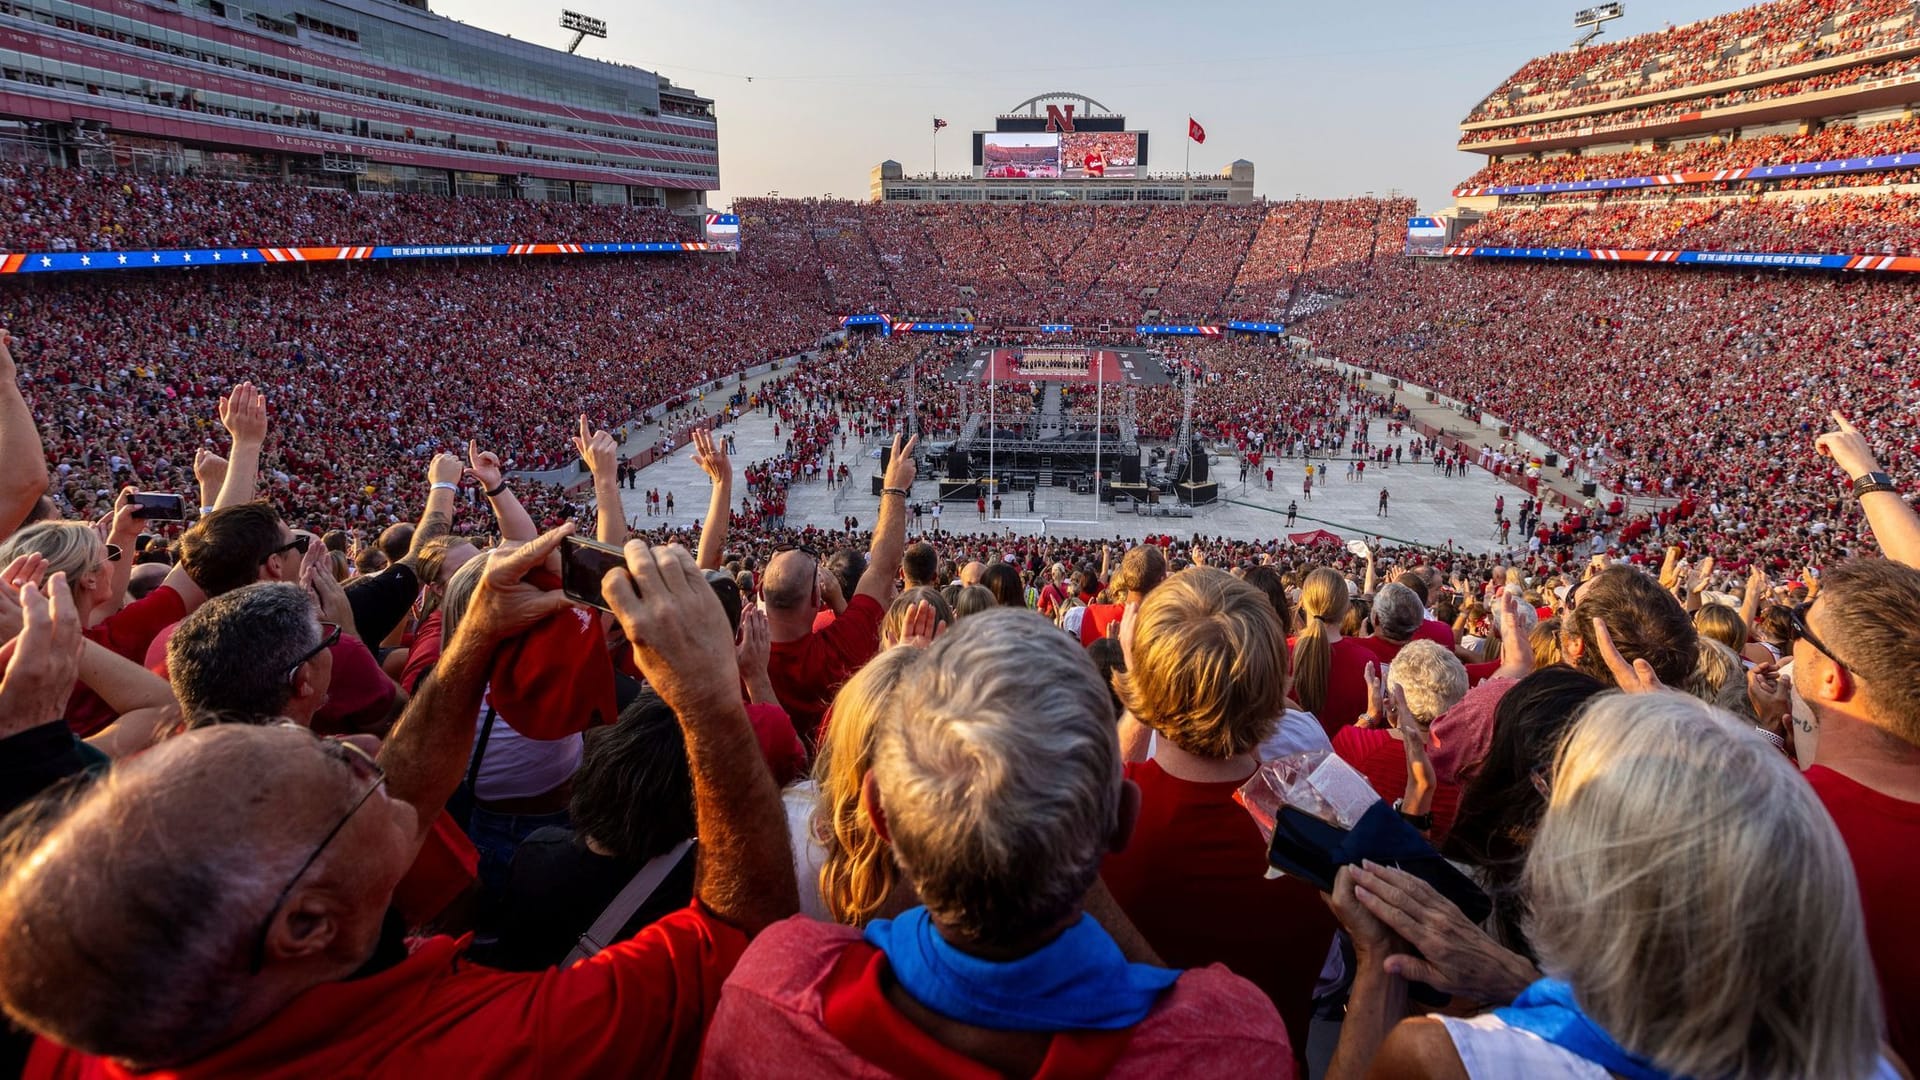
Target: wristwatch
[(1872, 482), (1422, 822)]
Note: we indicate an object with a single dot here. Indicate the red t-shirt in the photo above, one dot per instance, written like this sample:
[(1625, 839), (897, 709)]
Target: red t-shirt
[(127, 632), (809, 1000), (636, 1009), (1435, 631), (1346, 683), (808, 671), (1882, 835), (1382, 759), (1096, 619), (1193, 880)]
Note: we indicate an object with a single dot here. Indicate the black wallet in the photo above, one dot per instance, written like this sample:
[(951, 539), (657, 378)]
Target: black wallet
[(1312, 850)]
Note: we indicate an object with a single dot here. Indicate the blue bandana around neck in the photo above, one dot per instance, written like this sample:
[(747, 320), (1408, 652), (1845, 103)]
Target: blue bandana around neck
[(1078, 981), (1548, 1010)]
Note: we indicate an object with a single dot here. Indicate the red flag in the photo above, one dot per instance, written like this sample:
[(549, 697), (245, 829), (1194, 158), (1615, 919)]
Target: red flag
[(1195, 131)]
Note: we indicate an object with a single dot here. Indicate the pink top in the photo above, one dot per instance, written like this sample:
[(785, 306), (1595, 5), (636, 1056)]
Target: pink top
[(808, 999)]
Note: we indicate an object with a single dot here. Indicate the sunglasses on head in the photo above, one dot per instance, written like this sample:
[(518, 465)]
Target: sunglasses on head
[(113, 553)]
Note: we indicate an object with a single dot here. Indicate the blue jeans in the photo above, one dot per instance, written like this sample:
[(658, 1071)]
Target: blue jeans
[(498, 835)]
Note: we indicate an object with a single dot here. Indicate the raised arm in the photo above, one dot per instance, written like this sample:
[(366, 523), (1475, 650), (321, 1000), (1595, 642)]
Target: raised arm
[(890, 531), (427, 752), (514, 521), (244, 413), (712, 459), (436, 520), (1895, 525), (24, 479), (1756, 591), (602, 456), (123, 531), (683, 647), (209, 472)]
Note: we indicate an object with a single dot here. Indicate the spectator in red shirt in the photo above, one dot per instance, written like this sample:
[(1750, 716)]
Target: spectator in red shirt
[(1142, 568), (1207, 673), (998, 784), (258, 943), (1854, 664), (1330, 679), (1397, 615), (808, 665)]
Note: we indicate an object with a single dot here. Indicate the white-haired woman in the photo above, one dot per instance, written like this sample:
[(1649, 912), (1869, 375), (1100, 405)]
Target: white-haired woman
[(1693, 908)]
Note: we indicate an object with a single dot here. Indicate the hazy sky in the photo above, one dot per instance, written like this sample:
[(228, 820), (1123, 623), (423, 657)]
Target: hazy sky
[(1325, 98)]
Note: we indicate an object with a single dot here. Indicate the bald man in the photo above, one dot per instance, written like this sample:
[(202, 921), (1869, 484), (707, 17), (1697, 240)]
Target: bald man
[(238, 924), (971, 573), (806, 665)]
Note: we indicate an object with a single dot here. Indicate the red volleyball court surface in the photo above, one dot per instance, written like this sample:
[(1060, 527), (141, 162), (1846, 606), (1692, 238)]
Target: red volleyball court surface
[(1004, 367)]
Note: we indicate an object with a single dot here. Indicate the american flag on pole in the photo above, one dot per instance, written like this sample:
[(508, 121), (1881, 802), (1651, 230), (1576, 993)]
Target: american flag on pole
[(938, 123)]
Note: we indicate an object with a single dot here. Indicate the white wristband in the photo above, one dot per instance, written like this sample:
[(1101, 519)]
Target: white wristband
[(442, 485), (206, 510)]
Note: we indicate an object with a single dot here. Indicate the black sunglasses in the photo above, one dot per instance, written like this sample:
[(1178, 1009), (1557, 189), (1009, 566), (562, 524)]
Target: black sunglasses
[(360, 764), (329, 637), (113, 552), (299, 543), (1797, 623)]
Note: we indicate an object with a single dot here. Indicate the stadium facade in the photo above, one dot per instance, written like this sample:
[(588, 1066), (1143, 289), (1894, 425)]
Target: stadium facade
[(1061, 146), (374, 95)]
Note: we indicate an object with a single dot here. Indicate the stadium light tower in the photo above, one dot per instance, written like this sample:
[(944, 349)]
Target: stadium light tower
[(1594, 21), (583, 27)]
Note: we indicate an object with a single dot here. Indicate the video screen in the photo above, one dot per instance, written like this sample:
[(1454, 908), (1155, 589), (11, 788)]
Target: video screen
[(1097, 154), (1020, 156)]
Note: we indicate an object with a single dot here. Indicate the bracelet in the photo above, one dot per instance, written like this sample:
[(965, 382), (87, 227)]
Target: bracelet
[(902, 492), (1873, 482), (442, 485), (206, 510), (494, 493)]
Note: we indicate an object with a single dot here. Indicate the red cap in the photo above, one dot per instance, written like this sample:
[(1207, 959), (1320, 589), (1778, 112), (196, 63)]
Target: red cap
[(555, 679)]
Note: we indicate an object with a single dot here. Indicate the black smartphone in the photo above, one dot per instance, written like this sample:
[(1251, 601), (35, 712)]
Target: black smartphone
[(583, 565), (159, 506)]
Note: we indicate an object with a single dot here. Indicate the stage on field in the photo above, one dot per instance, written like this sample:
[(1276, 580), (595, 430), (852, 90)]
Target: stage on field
[(1064, 364)]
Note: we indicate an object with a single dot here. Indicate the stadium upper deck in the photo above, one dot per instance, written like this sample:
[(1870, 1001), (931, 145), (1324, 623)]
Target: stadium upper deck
[(1783, 60), (405, 99)]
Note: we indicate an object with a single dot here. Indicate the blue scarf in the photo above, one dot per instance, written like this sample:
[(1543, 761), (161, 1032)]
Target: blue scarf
[(1079, 981), (1548, 1010)]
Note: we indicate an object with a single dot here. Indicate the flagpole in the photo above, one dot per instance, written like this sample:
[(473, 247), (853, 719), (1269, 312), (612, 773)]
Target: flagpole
[(936, 147)]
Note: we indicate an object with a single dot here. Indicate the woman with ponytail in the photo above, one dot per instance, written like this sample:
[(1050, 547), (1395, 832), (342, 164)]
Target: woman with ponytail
[(1329, 669)]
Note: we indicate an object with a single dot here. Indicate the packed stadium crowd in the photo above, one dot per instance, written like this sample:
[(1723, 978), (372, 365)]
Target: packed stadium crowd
[(1882, 224), (1079, 264), (389, 362), (1830, 143), (61, 209), (839, 801), (1747, 42), (1690, 107)]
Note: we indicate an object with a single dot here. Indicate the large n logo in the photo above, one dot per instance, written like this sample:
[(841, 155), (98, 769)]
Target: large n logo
[(1060, 118)]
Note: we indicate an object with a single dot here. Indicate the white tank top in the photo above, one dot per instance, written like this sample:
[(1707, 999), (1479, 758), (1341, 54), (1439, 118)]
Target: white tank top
[(1492, 1050)]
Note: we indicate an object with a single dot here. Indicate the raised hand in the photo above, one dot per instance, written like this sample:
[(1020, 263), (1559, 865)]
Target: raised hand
[(712, 457), (505, 602), (8, 370), (923, 628), (597, 449), (445, 468), (1635, 678), (901, 468), (39, 664), (679, 631), (1848, 448), (244, 414), (209, 470), (484, 466), (755, 646)]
